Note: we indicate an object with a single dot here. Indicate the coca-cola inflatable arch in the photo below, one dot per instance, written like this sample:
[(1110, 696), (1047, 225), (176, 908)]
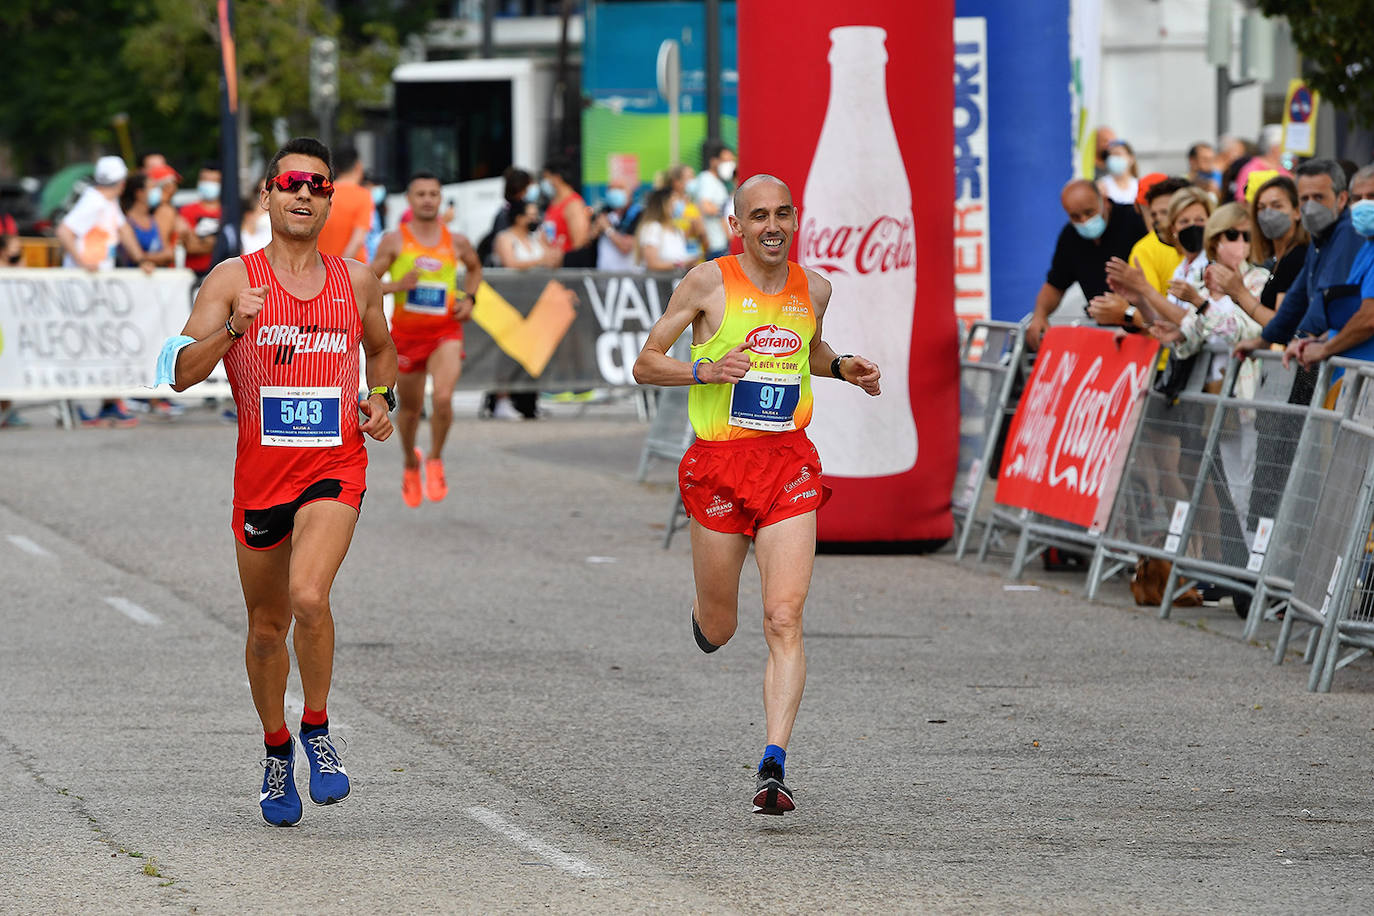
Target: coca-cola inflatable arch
[(849, 103)]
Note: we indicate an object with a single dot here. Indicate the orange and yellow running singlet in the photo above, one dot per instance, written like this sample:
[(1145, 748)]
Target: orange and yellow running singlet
[(428, 308), (775, 396)]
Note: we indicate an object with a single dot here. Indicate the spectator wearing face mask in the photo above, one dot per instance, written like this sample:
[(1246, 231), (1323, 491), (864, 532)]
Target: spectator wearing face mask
[(684, 213), (522, 246), (1188, 211), (1278, 243), (136, 201), (202, 218), (1322, 200), (1096, 232), (1121, 182), (1202, 167), (615, 231), (712, 197), (1153, 254), (1351, 311), (662, 246)]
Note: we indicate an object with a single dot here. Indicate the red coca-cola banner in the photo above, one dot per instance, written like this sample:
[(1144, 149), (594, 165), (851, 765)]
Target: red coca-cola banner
[(1068, 441), (849, 104)]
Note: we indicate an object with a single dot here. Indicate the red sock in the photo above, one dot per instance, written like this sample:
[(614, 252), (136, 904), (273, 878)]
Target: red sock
[(312, 717), (277, 738)]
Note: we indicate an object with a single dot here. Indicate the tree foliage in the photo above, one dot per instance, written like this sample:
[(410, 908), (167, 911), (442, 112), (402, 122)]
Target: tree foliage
[(75, 64), (1333, 37)]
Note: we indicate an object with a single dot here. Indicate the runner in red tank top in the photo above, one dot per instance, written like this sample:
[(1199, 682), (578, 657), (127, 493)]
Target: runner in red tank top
[(753, 474), (287, 321)]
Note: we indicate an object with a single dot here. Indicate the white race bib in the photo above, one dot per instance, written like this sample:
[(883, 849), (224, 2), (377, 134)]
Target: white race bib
[(427, 298), (765, 401)]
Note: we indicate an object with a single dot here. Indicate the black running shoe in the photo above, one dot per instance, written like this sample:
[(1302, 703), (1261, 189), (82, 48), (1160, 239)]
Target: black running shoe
[(770, 795)]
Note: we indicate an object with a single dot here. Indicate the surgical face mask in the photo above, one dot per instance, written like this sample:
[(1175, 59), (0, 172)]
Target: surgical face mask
[(616, 198), (1190, 238), (379, 194), (532, 194), (1118, 164), (726, 170), (546, 187), (679, 208), (208, 190), (1093, 227), (1362, 217), (1274, 223), (1317, 218), (1215, 176), (154, 197)]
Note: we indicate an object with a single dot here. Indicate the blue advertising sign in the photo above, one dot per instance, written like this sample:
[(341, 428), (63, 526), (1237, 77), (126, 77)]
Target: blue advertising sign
[(1013, 150)]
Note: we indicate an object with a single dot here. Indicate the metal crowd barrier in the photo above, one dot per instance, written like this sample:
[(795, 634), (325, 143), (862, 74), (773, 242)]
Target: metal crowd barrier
[(989, 358), (1331, 588)]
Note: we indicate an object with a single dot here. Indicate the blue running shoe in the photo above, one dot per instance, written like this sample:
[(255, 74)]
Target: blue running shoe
[(281, 803), (328, 778)]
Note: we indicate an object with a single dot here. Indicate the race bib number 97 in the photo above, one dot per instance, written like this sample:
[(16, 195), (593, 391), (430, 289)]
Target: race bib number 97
[(765, 401), (301, 417)]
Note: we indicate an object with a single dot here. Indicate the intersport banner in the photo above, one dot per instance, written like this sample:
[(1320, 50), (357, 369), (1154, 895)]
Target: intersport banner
[(1068, 440), (849, 104)]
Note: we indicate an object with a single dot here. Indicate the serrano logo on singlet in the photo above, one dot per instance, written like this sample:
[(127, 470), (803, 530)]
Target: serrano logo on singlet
[(290, 339), (773, 340), (426, 263)]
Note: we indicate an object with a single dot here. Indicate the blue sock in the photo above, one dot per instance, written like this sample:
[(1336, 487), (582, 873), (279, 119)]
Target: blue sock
[(777, 754)]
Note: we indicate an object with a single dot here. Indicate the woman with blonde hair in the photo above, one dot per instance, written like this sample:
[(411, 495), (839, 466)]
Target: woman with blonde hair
[(1189, 209)]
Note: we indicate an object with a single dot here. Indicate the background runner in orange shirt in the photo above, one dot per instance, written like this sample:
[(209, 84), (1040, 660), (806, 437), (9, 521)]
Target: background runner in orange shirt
[(427, 263), (753, 475)]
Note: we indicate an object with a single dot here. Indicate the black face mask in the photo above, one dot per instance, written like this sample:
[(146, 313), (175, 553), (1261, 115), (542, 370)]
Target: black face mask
[(1190, 239)]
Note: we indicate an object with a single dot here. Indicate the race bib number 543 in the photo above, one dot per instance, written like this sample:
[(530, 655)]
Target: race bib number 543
[(300, 417)]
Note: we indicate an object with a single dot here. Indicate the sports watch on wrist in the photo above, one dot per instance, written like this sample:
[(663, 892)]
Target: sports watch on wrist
[(387, 394)]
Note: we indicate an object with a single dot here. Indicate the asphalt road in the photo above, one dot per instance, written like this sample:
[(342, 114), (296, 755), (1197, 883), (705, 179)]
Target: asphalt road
[(531, 727)]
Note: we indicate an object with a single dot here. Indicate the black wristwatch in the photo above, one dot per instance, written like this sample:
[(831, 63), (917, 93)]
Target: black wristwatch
[(387, 394), (835, 365)]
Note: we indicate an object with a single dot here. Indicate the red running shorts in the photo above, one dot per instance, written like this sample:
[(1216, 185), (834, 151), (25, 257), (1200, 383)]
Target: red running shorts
[(413, 350), (738, 486)]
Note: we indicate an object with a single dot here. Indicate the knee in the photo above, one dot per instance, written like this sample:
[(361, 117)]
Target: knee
[(717, 623), (266, 634), (443, 405), (309, 605), (782, 621), (409, 408)]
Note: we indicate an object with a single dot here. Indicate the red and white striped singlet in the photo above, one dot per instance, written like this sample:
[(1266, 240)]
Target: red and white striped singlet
[(294, 375)]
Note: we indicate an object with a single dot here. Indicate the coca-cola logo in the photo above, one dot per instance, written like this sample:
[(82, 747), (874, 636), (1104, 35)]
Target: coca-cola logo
[(425, 262), (886, 244), (772, 340)]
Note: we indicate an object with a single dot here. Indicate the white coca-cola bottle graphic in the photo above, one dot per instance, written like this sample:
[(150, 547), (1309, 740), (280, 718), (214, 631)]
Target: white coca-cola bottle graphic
[(857, 230)]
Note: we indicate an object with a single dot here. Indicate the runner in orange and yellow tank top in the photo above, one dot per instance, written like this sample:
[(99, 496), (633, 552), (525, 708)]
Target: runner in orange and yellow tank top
[(434, 275), (753, 474)]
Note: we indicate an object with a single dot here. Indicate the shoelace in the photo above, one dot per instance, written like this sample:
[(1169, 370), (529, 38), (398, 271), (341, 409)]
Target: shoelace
[(276, 768), (328, 758)]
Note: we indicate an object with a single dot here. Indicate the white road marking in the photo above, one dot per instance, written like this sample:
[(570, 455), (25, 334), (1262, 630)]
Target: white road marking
[(133, 611), (557, 857), (29, 547)]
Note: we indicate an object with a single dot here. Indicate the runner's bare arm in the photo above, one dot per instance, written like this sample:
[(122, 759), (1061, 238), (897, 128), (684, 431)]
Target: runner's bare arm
[(377, 346), (854, 369), (463, 251), (224, 294), (693, 296), (388, 249)]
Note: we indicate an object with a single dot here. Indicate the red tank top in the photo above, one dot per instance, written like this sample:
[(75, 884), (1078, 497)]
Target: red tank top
[(294, 376)]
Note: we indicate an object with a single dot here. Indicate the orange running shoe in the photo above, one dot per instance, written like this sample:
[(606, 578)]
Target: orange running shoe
[(412, 489), (436, 488)]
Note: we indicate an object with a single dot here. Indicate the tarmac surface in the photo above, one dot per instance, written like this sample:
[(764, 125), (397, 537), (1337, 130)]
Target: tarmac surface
[(530, 725)]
